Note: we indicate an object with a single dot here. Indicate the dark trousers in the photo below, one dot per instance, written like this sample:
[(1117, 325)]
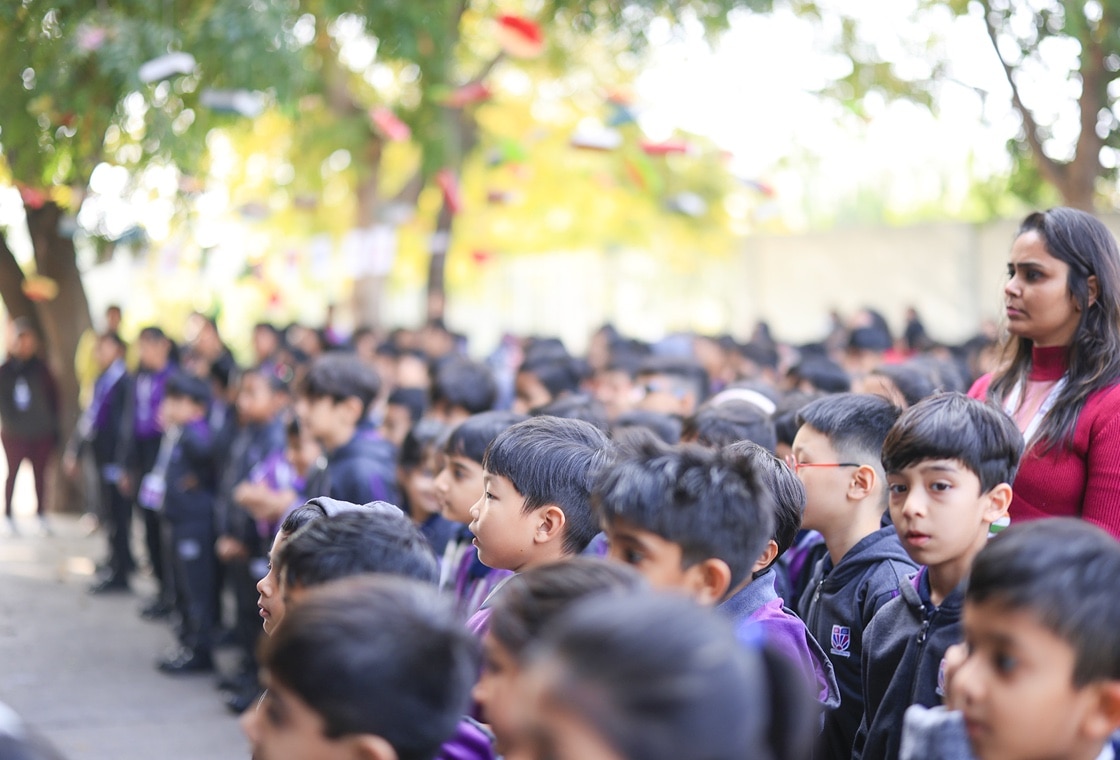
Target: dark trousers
[(243, 577), (147, 453), (191, 548), (116, 510), (37, 451)]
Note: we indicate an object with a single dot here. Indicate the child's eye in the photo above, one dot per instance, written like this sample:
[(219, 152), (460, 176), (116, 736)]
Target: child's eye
[(488, 496), (631, 557), (1005, 663), (896, 489), (940, 486)]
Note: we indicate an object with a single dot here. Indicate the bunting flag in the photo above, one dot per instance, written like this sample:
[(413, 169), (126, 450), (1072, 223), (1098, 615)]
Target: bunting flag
[(588, 137), (689, 204), (388, 125), (519, 37), (665, 148), (468, 94), (39, 288), (240, 102)]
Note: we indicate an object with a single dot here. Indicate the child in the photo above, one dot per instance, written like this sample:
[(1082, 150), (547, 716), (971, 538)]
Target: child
[(458, 487), (543, 379), (403, 409), (536, 505), (654, 677), (672, 386), (99, 429), (418, 461), (949, 461), (1041, 677), (695, 520), (521, 615), (719, 425), (335, 691), (333, 405), (181, 486), (836, 454), (460, 388)]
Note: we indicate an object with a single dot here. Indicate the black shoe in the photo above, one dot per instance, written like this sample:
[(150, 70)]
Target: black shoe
[(239, 702), (187, 661), (111, 585), (156, 610)]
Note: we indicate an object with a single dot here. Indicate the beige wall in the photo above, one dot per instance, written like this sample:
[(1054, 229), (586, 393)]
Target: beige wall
[(951, 272)]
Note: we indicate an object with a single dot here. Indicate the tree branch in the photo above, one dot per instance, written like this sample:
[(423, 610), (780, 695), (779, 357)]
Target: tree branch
[(1054, 172), (11, 286)]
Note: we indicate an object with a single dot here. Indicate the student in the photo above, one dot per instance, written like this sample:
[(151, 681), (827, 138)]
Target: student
[(460, 388), (1041, 669), (418, 462), (1038, 674), (654, 677), (695, 520), (458, 487), (536, 504), (719, 425), (522, 613), (335, 691), (403, 409), (184, 477), (837, 455), (949, 461), (333, 405), (99, 431), (672, 386), (141, 435), (543, 380)]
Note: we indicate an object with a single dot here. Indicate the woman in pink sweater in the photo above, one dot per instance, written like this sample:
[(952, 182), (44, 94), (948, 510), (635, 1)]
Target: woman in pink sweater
[(1060, 380)]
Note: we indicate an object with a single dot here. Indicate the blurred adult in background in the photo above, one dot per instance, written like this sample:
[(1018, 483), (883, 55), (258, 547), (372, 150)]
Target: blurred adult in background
[(28, 415)]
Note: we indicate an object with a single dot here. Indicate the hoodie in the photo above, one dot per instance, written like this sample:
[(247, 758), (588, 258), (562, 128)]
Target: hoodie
[(759, 605), (360, 471), (837, 606), (904, 662)]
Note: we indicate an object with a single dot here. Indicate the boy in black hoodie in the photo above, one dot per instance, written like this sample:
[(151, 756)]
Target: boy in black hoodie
[(836, 454)]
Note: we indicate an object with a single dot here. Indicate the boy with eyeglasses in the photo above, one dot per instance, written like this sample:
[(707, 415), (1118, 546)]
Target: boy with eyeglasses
[(836, 454)]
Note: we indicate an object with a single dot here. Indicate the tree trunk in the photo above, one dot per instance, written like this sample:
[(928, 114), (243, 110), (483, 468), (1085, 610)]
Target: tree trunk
[(17, 303), (63, 319), (441, 241)]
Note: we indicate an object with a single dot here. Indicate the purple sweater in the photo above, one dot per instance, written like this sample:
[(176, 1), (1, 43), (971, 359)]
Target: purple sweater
[(759, 605)]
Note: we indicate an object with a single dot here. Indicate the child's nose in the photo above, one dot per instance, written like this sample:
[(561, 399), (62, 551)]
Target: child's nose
[(476, 508)]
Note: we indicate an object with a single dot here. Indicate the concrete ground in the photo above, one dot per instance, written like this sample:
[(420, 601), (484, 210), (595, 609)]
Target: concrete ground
[(79, 668)]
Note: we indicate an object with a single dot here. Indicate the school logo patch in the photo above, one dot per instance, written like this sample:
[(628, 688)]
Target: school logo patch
[(941, 678), (841, 640)]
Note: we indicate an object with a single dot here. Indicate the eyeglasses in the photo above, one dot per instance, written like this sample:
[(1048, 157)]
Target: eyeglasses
[(794, 465)]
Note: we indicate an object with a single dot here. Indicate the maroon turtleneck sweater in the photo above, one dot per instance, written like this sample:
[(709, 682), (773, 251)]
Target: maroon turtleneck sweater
[(1082, 480)]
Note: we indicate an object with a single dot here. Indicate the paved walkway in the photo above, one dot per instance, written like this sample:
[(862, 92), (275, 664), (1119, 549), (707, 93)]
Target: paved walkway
[(80, 668)]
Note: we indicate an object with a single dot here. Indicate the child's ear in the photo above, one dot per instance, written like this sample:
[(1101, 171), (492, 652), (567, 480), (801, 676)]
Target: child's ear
[(769, 554), (999, 500), (1104, 718), (863, 482), (1094, 288), (372, 747), (710, 581), (550, 524)]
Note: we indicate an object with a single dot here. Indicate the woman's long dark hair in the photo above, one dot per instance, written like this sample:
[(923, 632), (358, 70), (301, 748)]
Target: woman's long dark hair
[(1087, 246)]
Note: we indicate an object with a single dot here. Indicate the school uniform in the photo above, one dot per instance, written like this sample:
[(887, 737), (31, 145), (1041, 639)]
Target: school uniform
[(759, 606), (837, 606), (141, 434), (188, 514), (796, 564), (904, 662), (360, 471), (99, 431)]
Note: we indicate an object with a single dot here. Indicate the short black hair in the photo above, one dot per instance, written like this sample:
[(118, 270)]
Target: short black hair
[(471, 436), (527, 606), (357, 542), (559, 375), (787, 492), (665, 427), (711, 503), (552, 460), (415, 400), (823, 374), (273, 375), (1065, 572), (424, 435), (578, 406), (340, 376), (381, 656), (686, 374), (183, 385), (913, 381), (719, 425), (855, 424), (785, 417), (977, 434), (299, 517), (466, 384), (114, 337)]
